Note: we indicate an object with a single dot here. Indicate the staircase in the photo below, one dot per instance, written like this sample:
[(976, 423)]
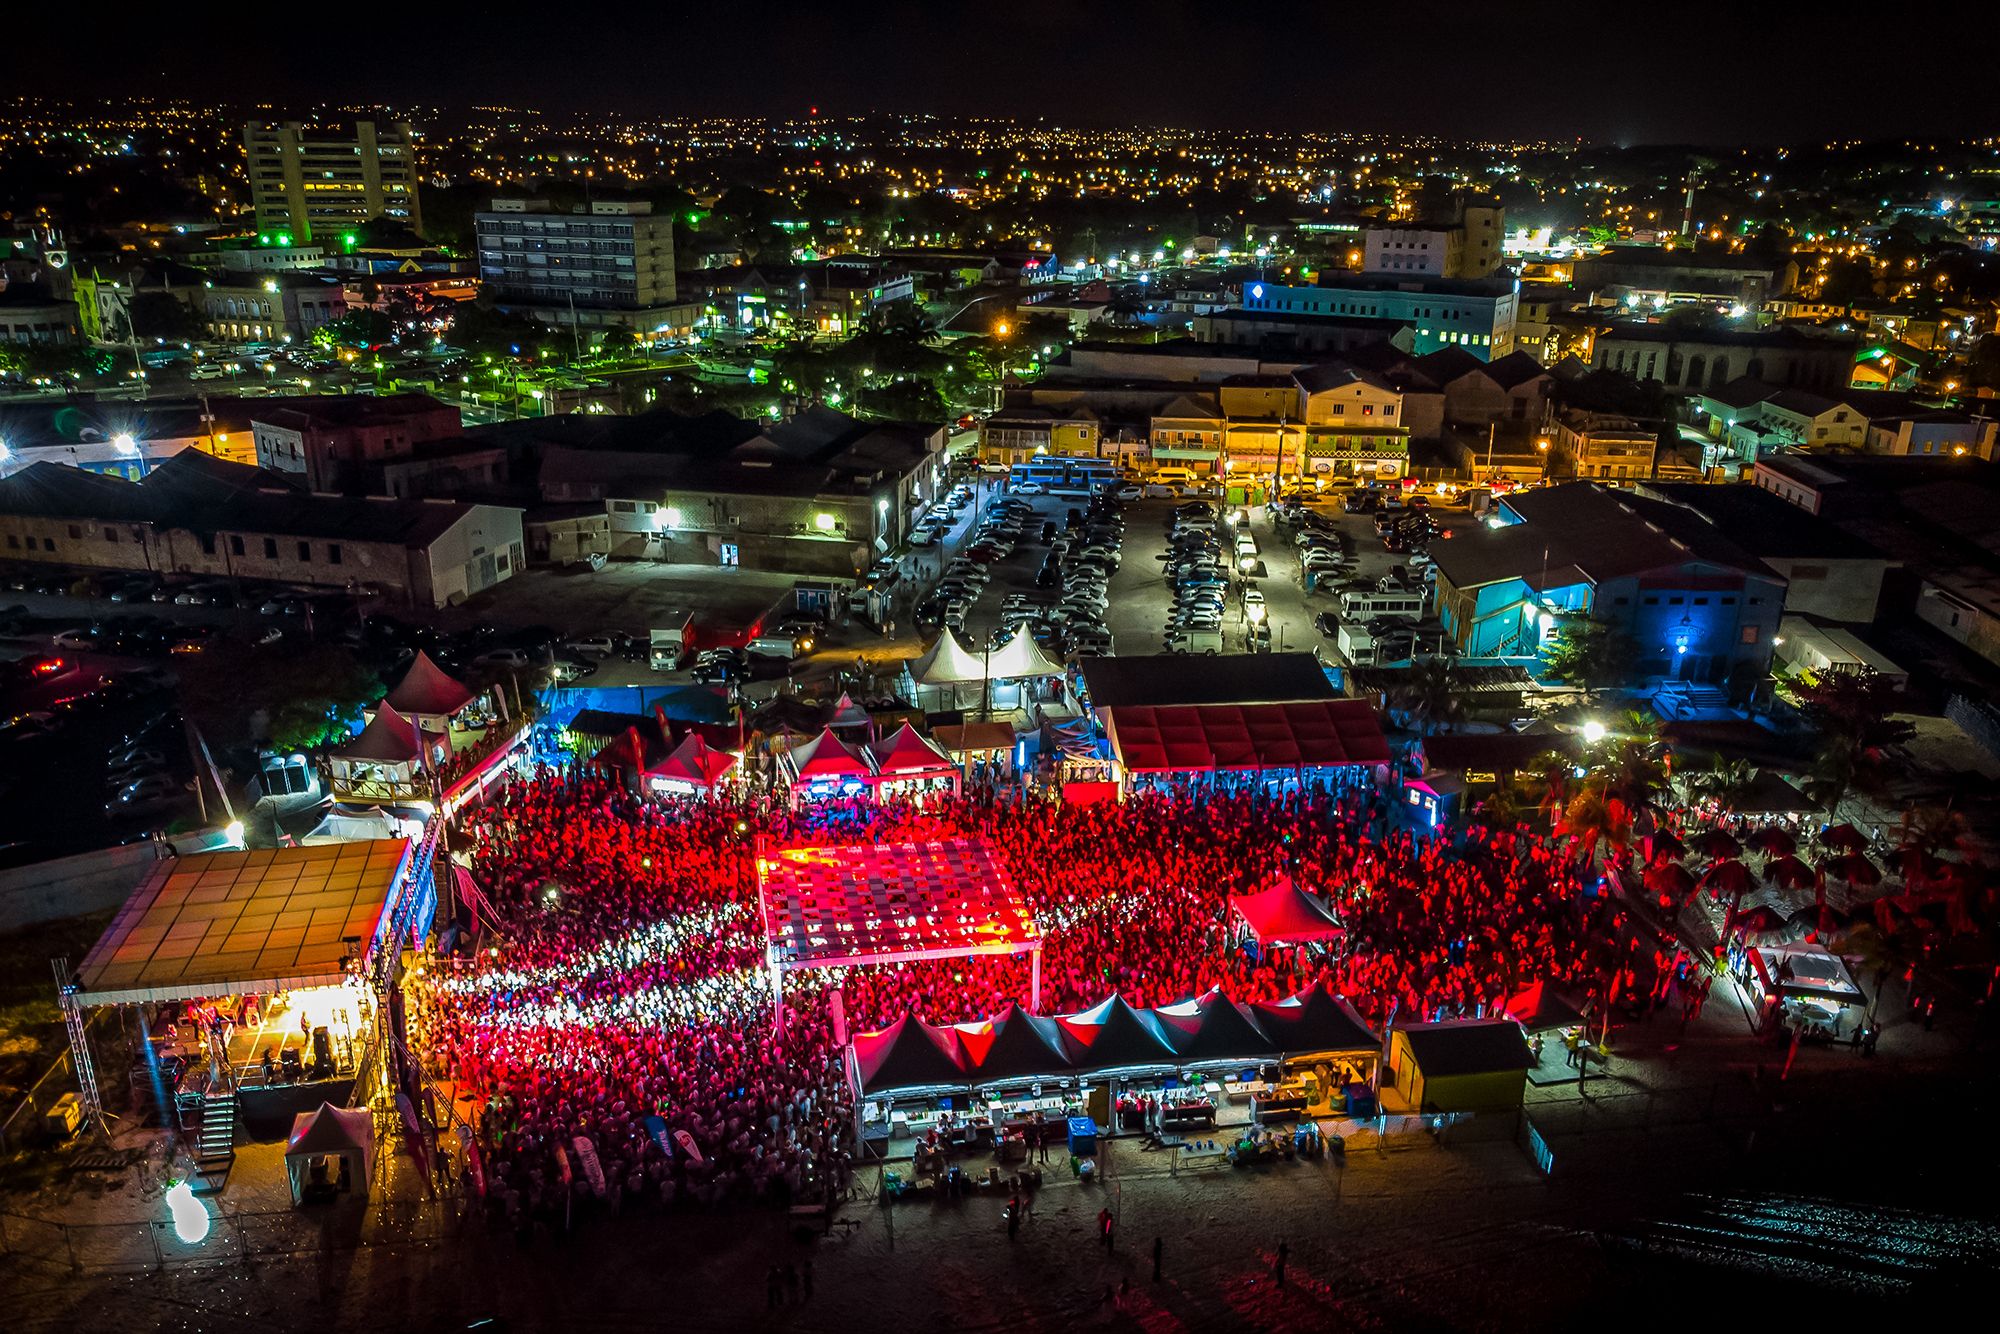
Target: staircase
[(215, 1148), (1680, 699)]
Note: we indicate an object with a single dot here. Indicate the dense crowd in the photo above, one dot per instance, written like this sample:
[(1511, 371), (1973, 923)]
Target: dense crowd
[(628, 983)]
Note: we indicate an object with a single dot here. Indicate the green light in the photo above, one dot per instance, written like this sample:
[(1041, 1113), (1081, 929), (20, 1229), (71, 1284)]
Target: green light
[(284, 238), (347, 239)]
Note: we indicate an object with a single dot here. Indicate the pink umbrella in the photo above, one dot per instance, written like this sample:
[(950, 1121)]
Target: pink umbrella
[(1855, 869), (1843, 838), (1789, 872), (1718, 843), (1728, 877), (1662, 845), (1670, 878), (1772, 842)]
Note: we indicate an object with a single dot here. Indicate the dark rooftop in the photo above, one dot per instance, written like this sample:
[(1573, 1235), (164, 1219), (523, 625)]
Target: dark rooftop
[(1259, 678)]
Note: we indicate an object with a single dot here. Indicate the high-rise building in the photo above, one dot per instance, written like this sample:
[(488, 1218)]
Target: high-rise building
[(612, 265), (319, 182)]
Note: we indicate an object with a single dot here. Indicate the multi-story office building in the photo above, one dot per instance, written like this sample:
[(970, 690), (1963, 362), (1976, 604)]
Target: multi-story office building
[(1477, 315), (317, 183), (613, 265), (1466, 247)]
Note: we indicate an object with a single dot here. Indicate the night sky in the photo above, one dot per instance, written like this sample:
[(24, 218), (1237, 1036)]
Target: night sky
[(1760, 71)]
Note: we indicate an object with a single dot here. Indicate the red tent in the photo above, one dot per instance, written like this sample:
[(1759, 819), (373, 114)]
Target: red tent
[(428, 689), (909, 1054), (389, 738), (906, 753), (1285, 914), (1538, 1009), (1308, 734), (826, 756), (694, 762)]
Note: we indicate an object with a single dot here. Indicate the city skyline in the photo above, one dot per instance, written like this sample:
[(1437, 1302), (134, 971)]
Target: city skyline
[(1447, 70)]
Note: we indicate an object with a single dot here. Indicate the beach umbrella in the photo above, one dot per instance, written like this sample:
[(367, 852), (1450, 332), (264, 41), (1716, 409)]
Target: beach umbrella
[(1772, 842), (1717, 843), (1915, 864), (1664, 844), (1855, 869), (1728, 877), (1762, 920), (1843, 837), (1670, 878), (1788, 872)]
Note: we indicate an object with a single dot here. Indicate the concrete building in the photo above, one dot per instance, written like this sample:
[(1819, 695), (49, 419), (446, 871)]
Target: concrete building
[(823, 493), (1697, 605), (612, 265), (318, 183), (1353, 423), (268, 308), (1468, 246), (1602, 445), (1015, 435), (1477, 315), (198, 515), (1830, 575), (31, 315), (341, 443), (1692, 359), (1649, 277)]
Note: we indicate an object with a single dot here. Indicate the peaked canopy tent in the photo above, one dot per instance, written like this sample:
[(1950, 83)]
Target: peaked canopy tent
[(908, 762), (910, 1055), (428, 691), (950, 676), (1214, 1030), (1021, 658), (384, 763), (1284, 915), (825, 766), (949, 662), (1012, 1047), (844, 907), (329, 1150), (849, 716), (1111, 1035), (1538, 1009), (692, 766), (1316, 1022)]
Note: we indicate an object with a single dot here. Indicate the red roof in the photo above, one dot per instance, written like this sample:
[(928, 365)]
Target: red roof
[(1286, 913), (906, 751), (695, 761), (427, 688), (1306, 733), (826, 756)]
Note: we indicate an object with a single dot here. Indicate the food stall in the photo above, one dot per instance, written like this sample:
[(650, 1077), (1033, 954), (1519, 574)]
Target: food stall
[(1804, 988), (1212, 1037), (909, 765), (1018, 1068), (1330, 1055), (1124, 1061), (915, 1088), (824, 768)]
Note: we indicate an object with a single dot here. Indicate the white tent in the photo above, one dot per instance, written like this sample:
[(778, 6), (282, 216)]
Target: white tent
[(948, 662), (1020, 658), (331, 1149)]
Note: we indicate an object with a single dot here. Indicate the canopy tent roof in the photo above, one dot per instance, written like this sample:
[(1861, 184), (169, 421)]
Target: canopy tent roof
[(1805, 970), (228, 923), (428, 689), (1213, 1028), (909, 1054), (1770, 794), (694, 761), (825, 756), (331, 1129), (1285, 914), (1315, 1020), (1111, 1035), (1208, 737), (1021, 657), (948, 662), (826, 907), (389, 738), (906, 751), (1538, 1008), (846, 713), (1012, 1045)]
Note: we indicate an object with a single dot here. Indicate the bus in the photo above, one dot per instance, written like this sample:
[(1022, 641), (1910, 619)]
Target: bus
[(1056, 476)]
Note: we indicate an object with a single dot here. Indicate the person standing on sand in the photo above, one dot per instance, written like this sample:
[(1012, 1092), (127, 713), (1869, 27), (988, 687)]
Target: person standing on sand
[(1284, 1254)]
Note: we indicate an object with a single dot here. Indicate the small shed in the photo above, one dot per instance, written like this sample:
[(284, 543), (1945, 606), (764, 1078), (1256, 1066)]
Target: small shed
[(330, 1153), (1460, 1065)]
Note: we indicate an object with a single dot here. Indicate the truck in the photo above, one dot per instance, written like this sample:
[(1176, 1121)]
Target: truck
[(671, 644)]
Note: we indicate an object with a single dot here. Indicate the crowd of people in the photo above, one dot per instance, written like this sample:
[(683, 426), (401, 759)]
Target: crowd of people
[(623, 1001)]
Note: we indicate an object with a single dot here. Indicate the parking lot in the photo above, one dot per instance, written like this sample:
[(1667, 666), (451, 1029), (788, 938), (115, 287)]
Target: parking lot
[(1140, 595)]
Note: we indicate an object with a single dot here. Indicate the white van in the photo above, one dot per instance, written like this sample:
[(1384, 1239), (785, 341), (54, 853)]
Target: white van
[(1246, 545), (1174, 476), (1194, 640), (1365, 606)]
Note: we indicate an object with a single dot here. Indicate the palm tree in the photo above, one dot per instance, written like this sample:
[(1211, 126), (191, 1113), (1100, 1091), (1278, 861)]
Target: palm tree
[(1553, 772), (1506, 804), (1429, 697), (1597, 818), (1725, 782)]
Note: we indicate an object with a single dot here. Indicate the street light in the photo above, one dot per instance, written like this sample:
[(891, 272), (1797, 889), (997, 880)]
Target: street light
[(1593, 732)]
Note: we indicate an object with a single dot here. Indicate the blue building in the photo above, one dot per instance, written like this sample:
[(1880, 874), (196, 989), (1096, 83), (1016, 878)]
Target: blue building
[(1474, 314), (1699, 606)]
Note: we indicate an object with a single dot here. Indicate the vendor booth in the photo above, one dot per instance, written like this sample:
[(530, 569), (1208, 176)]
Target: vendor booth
[(914, 1084), (1330, 1054), (825, 767), (1461, 1065), (1804, 988), (982, 751), (331, 1153), (387, 763), (1124, 1063), (693, 768), (907, 764)]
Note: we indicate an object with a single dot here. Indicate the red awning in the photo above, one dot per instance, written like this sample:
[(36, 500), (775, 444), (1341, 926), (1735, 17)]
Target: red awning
[(1285, 914), (1306, 734), (904, 752)]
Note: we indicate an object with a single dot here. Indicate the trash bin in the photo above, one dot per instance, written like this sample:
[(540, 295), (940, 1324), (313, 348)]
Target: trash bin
[(1082, 1137)]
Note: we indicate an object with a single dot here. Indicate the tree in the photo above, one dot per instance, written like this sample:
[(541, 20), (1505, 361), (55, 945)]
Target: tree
[(1595, 820), (1725, 782), (1854, 714), (360, 329), (482, 330), (305, 698), (1589, 655), (1429, 696), (161, 314), (617, 344)]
